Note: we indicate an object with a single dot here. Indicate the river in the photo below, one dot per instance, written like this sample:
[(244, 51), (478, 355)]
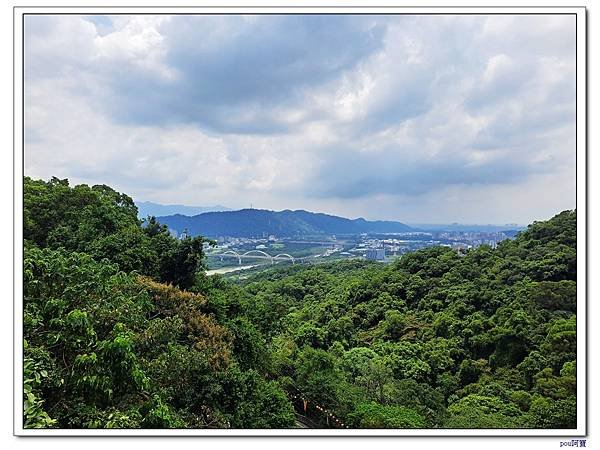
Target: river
[(224, 270)]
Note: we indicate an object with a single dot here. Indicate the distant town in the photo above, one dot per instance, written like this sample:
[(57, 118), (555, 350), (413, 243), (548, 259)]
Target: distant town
[(252, 239), (232, 254)]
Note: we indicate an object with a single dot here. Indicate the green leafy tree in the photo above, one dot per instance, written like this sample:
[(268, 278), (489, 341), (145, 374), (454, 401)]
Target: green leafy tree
[(373, 415)]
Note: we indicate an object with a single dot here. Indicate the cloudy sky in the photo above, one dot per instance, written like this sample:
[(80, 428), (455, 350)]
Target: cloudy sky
[(414, 118)]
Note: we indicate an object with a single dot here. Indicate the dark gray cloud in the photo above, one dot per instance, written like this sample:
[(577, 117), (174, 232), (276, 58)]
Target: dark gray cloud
[(352, 174), (230, 71)]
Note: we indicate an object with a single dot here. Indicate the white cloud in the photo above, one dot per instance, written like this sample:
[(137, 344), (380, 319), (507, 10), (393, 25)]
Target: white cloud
[(139, 43), (410, 118)]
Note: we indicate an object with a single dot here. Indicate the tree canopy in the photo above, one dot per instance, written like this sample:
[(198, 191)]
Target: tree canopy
[(123, 329)]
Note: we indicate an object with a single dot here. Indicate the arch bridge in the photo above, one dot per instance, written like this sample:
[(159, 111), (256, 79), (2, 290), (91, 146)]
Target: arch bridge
[(254, 254)]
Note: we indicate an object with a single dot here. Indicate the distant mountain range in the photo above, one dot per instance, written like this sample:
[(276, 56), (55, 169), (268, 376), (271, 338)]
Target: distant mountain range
[(466, 227), (260, 222), (146, 209)]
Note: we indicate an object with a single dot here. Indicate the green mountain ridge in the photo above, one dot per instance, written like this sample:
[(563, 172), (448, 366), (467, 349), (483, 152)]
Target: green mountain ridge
[(287, 223)]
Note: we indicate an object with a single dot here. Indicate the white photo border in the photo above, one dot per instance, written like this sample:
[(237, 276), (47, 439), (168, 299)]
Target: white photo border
[(581, 203)]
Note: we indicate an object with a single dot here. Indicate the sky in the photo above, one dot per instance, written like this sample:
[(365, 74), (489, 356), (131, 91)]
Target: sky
[(421, 119)]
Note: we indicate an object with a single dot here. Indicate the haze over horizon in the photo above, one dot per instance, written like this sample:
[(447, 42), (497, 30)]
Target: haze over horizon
[(219, 209), (418, 119)]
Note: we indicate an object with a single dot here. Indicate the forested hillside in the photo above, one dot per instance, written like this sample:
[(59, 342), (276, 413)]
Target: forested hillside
[(262, 222), (123, 329), (109, 346)]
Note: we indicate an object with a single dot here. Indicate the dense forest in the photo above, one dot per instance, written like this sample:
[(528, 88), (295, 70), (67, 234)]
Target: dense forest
[(123, 329)]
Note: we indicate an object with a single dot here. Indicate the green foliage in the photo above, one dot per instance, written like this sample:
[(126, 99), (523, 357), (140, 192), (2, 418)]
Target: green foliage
[(157, 414), (318, 376), (34, 377), (249, 344), (470, 371), (465, 342), (252, 402), (554, 296), (123, 330), (548, 413), (105, 349), (477, 411), (373, 415), (103, 223)]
